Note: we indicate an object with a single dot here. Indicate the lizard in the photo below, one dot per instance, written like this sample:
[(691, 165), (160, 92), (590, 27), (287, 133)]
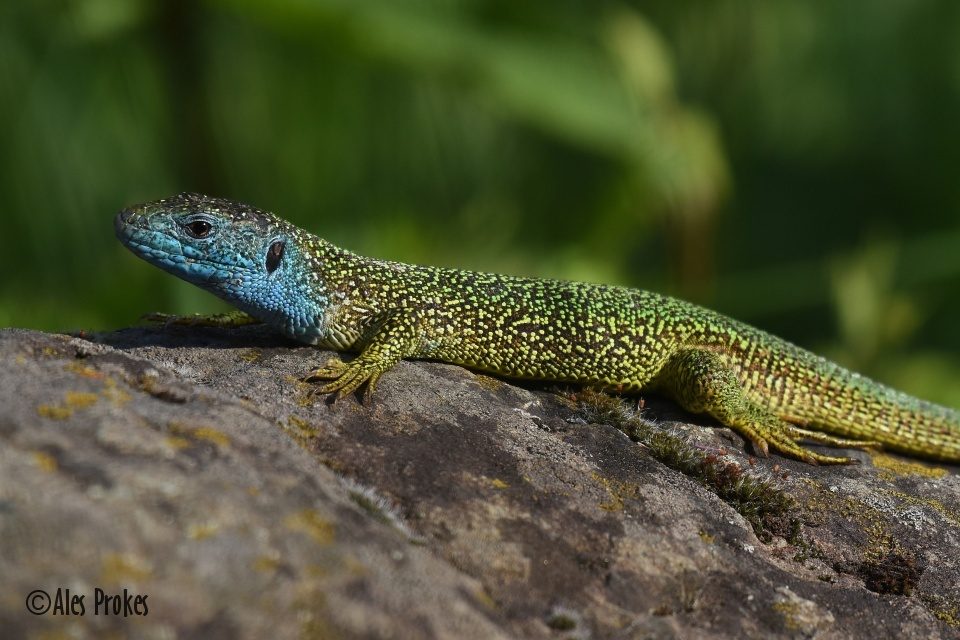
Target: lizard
[(768, 390)]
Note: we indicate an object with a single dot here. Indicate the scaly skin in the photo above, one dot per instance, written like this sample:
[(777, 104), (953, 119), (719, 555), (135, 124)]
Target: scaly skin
[(616, 338)]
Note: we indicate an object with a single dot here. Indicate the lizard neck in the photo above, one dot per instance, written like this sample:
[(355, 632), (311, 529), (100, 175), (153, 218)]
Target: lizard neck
[(322, 294), (355, 290), (296, 298)]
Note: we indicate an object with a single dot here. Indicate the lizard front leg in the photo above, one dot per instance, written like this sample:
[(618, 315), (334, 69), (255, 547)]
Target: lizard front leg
[(393, 336), (227, 319), (702, 382)]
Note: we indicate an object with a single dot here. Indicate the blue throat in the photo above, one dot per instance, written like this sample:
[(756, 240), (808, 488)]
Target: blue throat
[(254, 262)]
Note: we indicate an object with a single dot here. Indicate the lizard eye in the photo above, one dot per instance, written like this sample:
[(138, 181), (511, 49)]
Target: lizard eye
[(198, 228), (274, 255)]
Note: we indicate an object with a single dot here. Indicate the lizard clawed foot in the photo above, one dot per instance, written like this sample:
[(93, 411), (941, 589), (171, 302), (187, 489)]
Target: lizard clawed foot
[(396, 339), (833, 441), (346, 377), (783, 437)]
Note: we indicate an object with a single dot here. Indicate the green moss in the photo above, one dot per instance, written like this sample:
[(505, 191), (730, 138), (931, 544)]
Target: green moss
[(371, 505), (563, 619), (897, 572), (561, 623), (885, 565), (765, 506)]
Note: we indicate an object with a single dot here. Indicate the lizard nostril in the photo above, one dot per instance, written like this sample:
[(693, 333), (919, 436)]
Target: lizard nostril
[(127, 216), (124, 220), (120, 221)]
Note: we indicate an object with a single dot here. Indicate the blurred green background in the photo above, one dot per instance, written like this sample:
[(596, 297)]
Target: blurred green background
[(790, 163)]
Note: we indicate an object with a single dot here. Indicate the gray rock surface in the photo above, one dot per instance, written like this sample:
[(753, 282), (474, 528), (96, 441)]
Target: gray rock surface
[(192, 466)]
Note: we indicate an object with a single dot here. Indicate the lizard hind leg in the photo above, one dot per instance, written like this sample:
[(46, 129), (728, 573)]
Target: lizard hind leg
[(701, 382)]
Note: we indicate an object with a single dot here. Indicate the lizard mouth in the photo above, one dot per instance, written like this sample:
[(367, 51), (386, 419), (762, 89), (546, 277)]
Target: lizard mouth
[(146, 243), (166, 251)]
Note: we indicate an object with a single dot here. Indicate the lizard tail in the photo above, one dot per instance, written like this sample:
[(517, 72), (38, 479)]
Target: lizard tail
[(851, 405)]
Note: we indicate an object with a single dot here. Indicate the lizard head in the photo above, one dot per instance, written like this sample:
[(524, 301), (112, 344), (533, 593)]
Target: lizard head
[(249, 257)]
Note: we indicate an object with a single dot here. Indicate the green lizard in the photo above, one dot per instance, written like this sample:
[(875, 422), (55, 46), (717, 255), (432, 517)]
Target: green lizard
[(768, 390)]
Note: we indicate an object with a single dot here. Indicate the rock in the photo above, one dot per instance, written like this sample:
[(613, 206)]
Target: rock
[(190, 466)]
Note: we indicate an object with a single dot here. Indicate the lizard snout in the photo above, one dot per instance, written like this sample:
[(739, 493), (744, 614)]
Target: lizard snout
[(126, 218)]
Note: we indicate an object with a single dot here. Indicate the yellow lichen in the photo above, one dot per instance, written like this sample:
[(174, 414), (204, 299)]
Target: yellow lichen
[(114, 394), (79, 399), (54, 412), (881, 543), (890, 467), (489, 383), (301, 429), (933, 503), (498, 483), (212, 435), (85, 371), (266, 564), (316, 571), (71, 400), (250, 355), (45, 461), (176, 443), (310, 608), (119, 568), (208, 434), (618, 492), (945, 611), (313, 524), (484, 598), (800, 614), (201, 531), (789, 611), (354, 566)]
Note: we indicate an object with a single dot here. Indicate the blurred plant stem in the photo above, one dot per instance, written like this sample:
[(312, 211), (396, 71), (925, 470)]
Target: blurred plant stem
[(179, 39)]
